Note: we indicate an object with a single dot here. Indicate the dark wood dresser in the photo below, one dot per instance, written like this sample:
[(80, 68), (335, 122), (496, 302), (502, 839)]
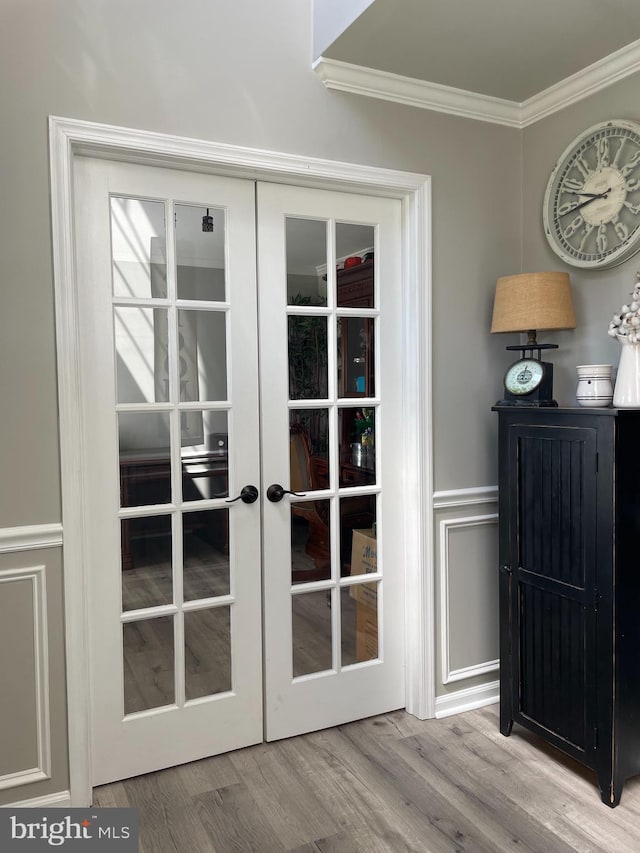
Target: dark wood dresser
[(569, 502)]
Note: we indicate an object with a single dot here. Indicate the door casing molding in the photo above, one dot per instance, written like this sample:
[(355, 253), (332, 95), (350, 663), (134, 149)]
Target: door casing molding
[(68, 139)]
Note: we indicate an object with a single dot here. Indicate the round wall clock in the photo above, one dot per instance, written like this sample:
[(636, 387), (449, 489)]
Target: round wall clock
[(591, 210)]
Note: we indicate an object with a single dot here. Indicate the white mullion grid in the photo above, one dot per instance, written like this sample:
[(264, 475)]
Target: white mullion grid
[(312, 586), (146, 511), (324, 403), (200, 406), (148, 613), (320, 495), (227, 405), (140, 302), (353, 580), (141, 408), (202, 305), (176, 462), (358, 402), (357, 313), (210, 503), (378, 445), (334, 447), (208, 603), (308, 311), (357, 491), (332, 297)]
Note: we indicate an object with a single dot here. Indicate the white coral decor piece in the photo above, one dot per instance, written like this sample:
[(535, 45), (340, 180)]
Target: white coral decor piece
[(627, 322)]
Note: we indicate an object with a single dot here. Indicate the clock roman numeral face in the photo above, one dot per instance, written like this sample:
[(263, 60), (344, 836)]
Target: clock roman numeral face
[(592, 204)]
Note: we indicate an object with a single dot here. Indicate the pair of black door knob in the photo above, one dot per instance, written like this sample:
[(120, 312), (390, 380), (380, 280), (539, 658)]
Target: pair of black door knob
[(275, 493)]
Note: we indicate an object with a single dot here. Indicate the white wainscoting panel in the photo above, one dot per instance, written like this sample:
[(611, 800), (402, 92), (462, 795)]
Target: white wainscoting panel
[(461, 511), (34, 577), (447, 527)]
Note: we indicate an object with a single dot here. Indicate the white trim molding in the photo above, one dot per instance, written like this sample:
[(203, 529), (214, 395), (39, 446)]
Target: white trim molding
[(468, 699), (588, 81), (358, 80), (373, 83), (35, 576), (69, 138), (30, 537), (455, 498), (482, 667), (60, 800)]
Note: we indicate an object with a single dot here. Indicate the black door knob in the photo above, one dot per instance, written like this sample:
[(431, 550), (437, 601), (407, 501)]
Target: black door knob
[(248, 495), (276, 492)]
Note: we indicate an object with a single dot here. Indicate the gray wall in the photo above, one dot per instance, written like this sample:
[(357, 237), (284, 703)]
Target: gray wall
[(236, 73), (597, 295)]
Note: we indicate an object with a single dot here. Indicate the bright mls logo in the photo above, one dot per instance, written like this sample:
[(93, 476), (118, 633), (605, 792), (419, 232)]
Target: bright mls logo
[(71, 829)]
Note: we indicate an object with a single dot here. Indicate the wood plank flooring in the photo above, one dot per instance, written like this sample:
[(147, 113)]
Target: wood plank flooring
[(389, 783)]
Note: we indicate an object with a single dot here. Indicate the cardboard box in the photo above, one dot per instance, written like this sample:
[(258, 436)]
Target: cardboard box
[(366, 632), (364, 557), (363, 562)]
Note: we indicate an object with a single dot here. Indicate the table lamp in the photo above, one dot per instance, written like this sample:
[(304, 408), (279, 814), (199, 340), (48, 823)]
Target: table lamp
[(531, 302)]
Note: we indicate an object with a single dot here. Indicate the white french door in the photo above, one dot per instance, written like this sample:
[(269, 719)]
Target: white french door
[(333, 612), (187, 552)]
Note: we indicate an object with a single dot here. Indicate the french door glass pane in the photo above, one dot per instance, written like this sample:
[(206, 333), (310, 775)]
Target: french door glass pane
[(357, 430), (356, 376), (310, 541), (200, 252), (311, 633), (138, 248), (357, 535), (309, 449), (207, 641), (359, 617), (141, 340), (204, 455), (308, 370), (355, 246), (202, 355), (205, 553), (149, 680), (306, 241), (145, 465), (146, 562)]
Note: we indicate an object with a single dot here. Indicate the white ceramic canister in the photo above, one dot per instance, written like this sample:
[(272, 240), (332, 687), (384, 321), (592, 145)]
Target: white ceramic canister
[(594, 385)]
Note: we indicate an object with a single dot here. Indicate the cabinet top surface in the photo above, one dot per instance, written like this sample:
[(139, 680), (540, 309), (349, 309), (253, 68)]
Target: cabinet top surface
[(536, 411)]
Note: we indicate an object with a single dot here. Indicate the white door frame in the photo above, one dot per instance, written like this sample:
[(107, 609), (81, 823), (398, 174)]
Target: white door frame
[(69, 138)]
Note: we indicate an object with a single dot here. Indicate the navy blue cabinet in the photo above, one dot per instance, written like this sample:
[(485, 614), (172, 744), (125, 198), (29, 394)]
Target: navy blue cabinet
[(569, 502)]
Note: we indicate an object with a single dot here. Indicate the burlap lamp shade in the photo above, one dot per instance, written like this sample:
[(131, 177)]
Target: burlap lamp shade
[(531, 301)]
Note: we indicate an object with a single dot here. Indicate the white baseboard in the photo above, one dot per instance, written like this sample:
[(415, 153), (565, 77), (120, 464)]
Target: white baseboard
[(468, 699), (60, 800)]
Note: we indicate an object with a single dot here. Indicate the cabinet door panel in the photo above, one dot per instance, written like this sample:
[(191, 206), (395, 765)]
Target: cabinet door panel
[(552, 547), (552, 662), (555, 497)]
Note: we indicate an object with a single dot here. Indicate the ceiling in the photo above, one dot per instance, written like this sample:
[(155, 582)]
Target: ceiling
[(508, 49)]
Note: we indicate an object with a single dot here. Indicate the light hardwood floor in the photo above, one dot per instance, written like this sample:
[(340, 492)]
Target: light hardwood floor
[(389, 783)]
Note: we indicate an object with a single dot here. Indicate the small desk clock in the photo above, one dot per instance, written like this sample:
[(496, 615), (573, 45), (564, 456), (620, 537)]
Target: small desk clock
[(529, 381)]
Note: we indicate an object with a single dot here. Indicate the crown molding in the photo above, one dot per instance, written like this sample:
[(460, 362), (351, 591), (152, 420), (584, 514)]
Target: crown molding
[(415, 93), (588, 81), (372, 83)]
